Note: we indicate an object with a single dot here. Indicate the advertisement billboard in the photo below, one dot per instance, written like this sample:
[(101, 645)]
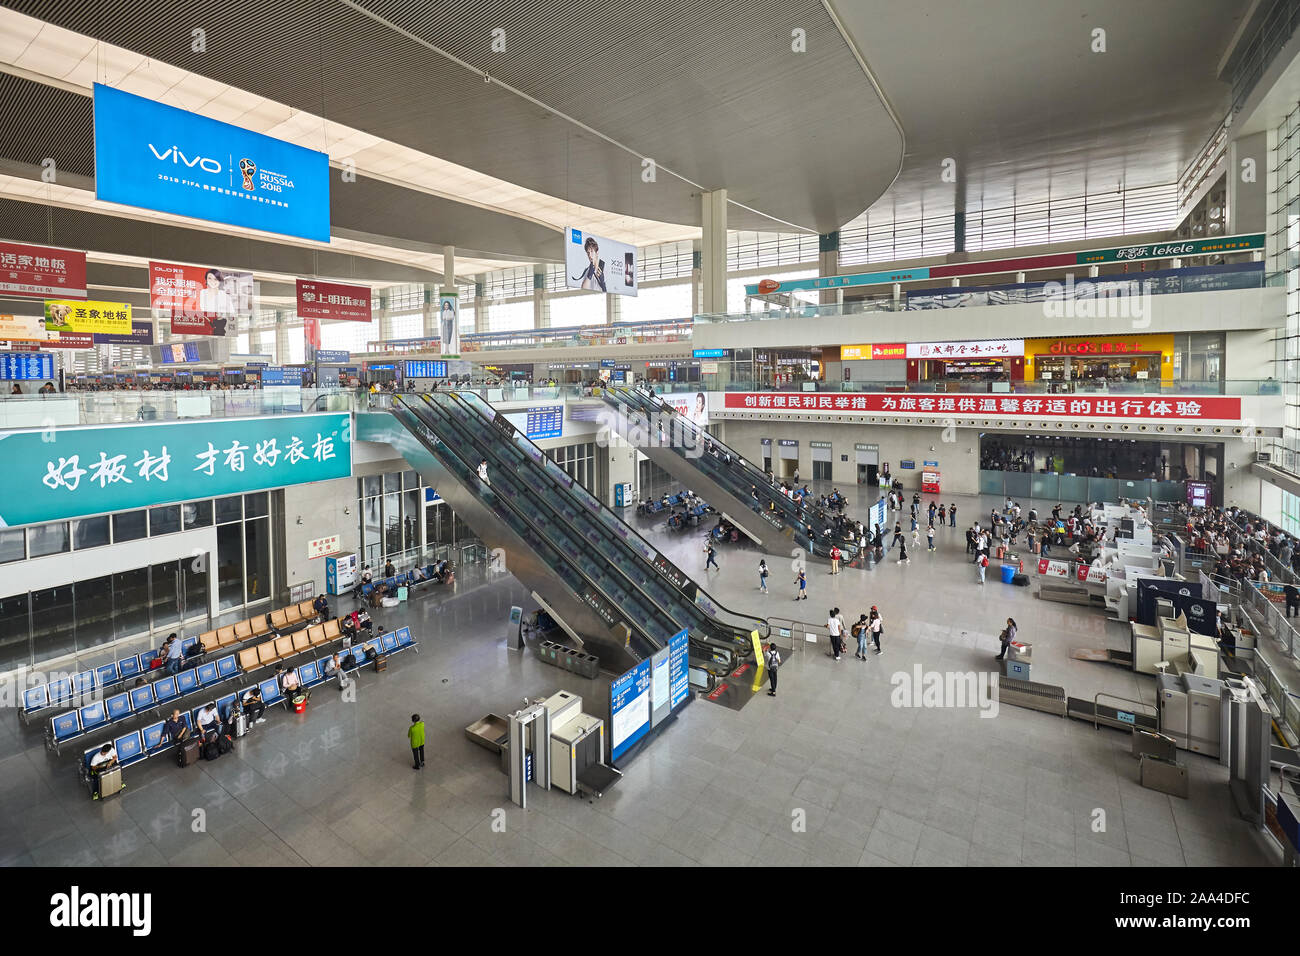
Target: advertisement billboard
[(200, 300), (87, 316), (599, 264), (40, 272), (86, 471), (449, 323), (159, 157), (695, 408), (23, 328), (141, 334), (333, 300)]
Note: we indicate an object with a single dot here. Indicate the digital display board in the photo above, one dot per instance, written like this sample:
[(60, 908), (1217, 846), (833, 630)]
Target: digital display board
[(424, 369), (179, 352), (629, 709), (159, 157), (26, 366), (546, 421), (679, 680)]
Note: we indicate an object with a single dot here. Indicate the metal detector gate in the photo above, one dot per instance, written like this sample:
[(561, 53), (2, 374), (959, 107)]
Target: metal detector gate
[(529, 751)]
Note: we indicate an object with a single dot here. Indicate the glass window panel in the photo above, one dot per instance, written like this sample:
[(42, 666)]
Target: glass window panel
[(164, 520), (372, 485), (370, 528), (257, 553), (164, 580), (93, 603), (13, 545), (52, 622), (131, 602), (129, 525), (43, 539), (197, 514), (392, 482), (194, 575), (90, 532), (255, 505), (230, 509), (410, 479), (410, 520), (392, 525), (230, 565), (15, 643)]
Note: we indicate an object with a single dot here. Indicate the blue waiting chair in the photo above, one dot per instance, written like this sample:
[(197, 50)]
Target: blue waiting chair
[(142, 698), (388, 643), (309, 674), (227, 667), (106, 674), (146, 659), (119, 706), (207, 674), (130, 749), (187, 682), (271, 692), (36, 698), (165, 690), (83, 683), (128, 668), (223, 705), (64, 727), (60, 692), (155, 738)]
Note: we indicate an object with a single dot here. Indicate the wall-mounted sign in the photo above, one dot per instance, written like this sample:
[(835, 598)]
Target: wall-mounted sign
[(819, 444), (333, 300), (333, 356), (906, 464), (324, 547), (988, 348), (709, 353), (788, 442), (930, 464), (160, 157), (853, 353), (40, 272), (1200, 408), (86, 471), (546, 421), (599, 264), (63, 315)]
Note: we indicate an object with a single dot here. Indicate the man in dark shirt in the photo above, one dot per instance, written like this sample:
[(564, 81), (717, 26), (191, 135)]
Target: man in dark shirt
[(176, 728)]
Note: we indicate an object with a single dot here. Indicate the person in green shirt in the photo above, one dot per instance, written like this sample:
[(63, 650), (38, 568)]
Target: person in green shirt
[(415, 734)]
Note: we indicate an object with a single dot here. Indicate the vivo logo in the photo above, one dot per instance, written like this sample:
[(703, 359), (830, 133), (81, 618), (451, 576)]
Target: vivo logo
[(203, 162)]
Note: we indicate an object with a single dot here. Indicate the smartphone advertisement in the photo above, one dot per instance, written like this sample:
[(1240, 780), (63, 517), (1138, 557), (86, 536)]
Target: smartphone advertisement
[(598, 264)]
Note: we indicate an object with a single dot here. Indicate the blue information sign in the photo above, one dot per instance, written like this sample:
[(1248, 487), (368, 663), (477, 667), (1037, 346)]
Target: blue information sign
[(27, 366), (629, 709), (159, 157), (546, 421), (332, 356), (431, 368), (679, 678), (281, 375), (709, 353)]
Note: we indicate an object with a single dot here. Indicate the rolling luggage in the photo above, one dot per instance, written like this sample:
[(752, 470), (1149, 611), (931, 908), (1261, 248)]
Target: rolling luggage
[(108, 783), (187, 752), (381, 663), (240, 724), (1020, 580)]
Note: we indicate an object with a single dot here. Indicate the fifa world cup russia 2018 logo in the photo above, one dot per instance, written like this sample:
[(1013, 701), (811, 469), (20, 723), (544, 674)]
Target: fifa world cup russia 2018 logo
[(248, 168)]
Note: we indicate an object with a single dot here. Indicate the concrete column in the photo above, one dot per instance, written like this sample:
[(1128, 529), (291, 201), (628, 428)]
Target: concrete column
[(1020, 278), (713, 249), (1247, 181), (281, 338), (480, 309), (697, 279), (541, 304), (429, 317), (613, 308), (828, 264), (385, 321), (1093, 272)]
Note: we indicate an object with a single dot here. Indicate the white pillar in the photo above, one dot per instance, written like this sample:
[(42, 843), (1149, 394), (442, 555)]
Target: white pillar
[(713, 264)]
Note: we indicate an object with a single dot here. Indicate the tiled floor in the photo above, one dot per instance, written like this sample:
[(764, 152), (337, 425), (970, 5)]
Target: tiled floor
[(827, 773)]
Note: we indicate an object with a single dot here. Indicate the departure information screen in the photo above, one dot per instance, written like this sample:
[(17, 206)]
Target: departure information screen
[(546, 421), (426, 369), (23, 366)]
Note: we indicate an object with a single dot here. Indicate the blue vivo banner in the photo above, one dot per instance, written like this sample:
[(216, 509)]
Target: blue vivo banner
[(160, 157), (62, 473)]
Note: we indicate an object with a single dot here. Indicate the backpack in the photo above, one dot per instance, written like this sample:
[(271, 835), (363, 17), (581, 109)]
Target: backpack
[(773, 659), (224, 744), (211, 750), (984, 561)]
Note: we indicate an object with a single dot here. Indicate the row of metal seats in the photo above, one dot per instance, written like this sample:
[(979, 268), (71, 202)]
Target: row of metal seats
[(404, 580), (64, 691), (136, 701), (152, 740)]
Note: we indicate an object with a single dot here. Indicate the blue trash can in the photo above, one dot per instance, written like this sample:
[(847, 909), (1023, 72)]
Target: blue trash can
[(1008, 572)]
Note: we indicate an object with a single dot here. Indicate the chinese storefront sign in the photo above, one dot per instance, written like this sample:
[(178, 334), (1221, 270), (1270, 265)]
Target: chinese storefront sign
[(71, 472), (38, 271)]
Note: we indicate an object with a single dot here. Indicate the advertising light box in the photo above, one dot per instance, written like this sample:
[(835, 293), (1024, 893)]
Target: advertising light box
[(599, 264), (159, 157)]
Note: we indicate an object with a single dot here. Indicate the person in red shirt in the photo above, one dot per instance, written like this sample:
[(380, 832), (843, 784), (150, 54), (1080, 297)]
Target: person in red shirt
[(835, 559)]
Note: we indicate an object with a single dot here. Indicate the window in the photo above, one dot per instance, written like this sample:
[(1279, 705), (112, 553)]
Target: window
[(197, 514), (13, 545), (255, 505), (578, 462), (579, 308), (164, 520), (129, 525), (257, 553), (90, 532), (15, 632), (46, 539), (230, 566), (230, 509)]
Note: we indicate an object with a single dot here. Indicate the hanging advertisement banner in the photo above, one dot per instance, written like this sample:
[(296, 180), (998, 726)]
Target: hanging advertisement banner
[(449, 322), (87, 316), (23, 328), (599, 264), (333, 300), (200, 300), (159, 157), (40, 272), (141, 334)]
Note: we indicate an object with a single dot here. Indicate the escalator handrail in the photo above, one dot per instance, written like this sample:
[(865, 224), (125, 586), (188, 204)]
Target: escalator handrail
[(478, 406), (642, 637)]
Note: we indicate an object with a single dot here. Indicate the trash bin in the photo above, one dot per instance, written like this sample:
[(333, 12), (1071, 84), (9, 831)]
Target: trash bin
[(1008, 572)]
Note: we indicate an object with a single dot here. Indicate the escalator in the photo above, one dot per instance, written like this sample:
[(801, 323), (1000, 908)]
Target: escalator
[(723, 477), (718, 636), (610, 588)]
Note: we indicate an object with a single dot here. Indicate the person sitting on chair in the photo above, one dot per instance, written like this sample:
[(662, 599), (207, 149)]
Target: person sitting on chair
[(321, 605), (176, 729), (290, 686), (106, 759), (253, 705), (209, 722)]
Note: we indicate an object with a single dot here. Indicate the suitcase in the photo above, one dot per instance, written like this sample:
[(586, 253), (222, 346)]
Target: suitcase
[(108, 783), (381, 663), (187, 752), (1020, 580), (240, 724)]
